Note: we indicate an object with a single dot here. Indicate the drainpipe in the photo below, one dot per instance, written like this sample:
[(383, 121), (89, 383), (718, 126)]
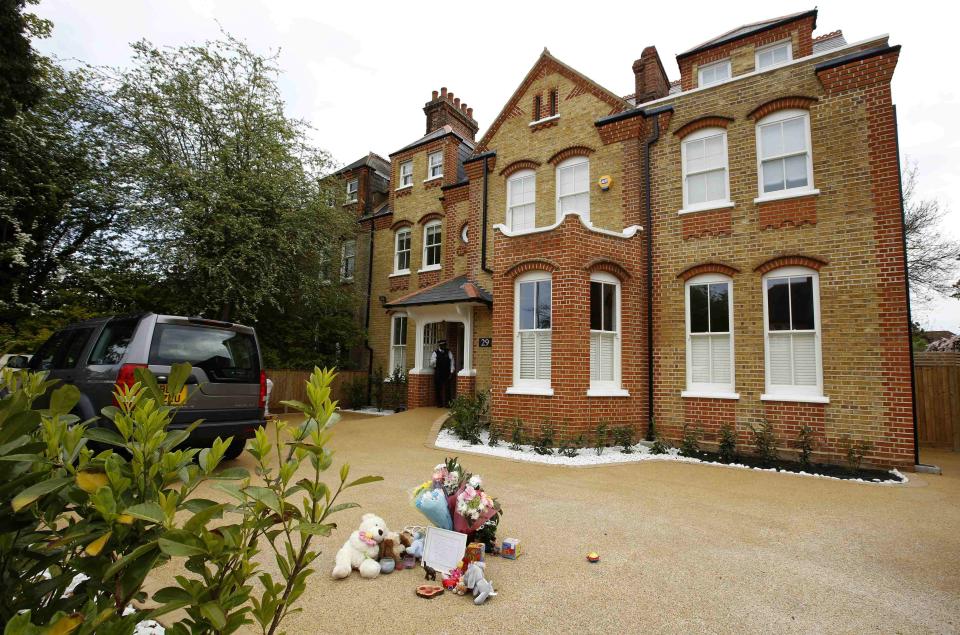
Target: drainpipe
[(366, 320), (483, 222), (906, 285), (648, 209)]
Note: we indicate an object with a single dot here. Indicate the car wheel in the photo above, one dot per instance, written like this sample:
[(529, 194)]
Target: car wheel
[(235, 449)]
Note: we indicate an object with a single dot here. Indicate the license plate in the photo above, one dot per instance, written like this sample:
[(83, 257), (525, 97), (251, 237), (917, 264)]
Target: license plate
[(176, 399)]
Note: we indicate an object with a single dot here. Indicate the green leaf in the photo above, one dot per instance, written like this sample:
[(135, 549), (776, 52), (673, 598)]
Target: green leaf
[(148, 511), (130, 557), (213, 612), (104, 435), (315, 529), (172, 594), (179, 373), (230, 474), (340, 508), (173, 547), (34, 492), (363, 480), (344, 471), (199, 504), (266, 496), (201, 518), (63, 399)]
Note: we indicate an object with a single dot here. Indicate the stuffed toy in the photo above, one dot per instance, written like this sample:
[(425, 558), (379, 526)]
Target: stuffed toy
[(473, 579), (390, 547), (416, 546), (361, 549)]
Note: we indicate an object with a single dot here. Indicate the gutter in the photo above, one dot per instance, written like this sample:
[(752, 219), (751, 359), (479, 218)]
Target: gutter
[(366, 321)]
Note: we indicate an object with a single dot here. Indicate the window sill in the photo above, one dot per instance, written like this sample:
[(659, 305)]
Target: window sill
[(780, 196), (796, 398), (467, 373), (543, 120), (707, 207), (529, 390), (433, 178), (403, 187), (707, 394), (420, 371), (608, 392), (397, 274), (430, 268)]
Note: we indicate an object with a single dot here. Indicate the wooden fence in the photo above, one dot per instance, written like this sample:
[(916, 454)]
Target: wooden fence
[(289, 384), (938, 399)]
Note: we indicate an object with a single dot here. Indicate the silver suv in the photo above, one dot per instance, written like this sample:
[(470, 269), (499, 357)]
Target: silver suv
[(227, 370)]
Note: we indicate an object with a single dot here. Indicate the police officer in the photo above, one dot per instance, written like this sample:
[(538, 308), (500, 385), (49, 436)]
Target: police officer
[(442, 363)]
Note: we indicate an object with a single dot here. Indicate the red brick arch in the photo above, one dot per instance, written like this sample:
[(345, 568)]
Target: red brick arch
[(609, 266), (516, 166), (400, 224), (532, 264), (572, 151), (782, 103), (708, 267), (790, 261), (712, 121), (432, 216)]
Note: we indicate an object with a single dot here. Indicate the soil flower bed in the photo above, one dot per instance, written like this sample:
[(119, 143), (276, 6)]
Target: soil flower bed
[(641, 452)]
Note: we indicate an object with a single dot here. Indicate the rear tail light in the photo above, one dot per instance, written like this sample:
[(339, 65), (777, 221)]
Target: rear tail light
[(263, 390), (126, 377)]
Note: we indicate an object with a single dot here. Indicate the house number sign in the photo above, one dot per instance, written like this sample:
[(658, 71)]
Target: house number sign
[(485, 342)]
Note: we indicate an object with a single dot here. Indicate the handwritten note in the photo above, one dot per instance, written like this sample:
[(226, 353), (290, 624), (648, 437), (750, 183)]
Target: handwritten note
[(443, 550)]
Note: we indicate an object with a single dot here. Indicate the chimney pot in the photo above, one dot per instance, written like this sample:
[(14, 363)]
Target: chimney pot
[(450, 95), (434, 97), (470, 112), (443, 91), (463, 106), (456, 102)]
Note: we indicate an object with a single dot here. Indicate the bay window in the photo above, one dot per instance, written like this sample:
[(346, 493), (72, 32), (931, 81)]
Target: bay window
[(791, 309), (709, 308), (533, 332), (521, 201), (604, 332)]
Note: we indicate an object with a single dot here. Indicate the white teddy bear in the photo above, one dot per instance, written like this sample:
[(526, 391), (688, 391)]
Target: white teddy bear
[(362, 548)]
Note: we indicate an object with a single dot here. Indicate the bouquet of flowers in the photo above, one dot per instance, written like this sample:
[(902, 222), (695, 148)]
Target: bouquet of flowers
[(473, 507), (454, 498)]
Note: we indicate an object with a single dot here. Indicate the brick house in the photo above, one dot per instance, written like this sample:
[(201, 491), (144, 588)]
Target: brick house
[(721, 249)]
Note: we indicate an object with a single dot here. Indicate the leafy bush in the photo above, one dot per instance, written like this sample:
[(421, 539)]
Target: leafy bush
[(623, 436), (855, 450), (544, 444), (115, 516), (493, 440), (468, 416), (690, 442), (355, 392), (727, 447), (659, 445), (806, 444), (600, 437), (378, 388), (516, 437), (397, 389), (764, 441)]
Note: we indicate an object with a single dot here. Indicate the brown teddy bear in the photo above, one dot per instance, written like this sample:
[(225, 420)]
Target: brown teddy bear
[(390, 548)]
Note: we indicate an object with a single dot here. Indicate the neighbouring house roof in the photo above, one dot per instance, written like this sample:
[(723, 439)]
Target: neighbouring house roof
[(674, 89), (933, 336), (382, 210), (748, 29), (828, 41), (436, 134), (459, 289), (372, 160)]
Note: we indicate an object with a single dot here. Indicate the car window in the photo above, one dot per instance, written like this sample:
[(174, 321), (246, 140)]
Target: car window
[(46, 356), (225, 356), (113, 342), (74, 348)]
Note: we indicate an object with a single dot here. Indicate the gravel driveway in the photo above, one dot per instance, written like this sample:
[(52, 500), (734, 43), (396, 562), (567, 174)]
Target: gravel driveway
[(684, 548)]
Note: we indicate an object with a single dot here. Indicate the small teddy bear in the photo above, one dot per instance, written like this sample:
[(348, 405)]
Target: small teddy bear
[(473, 579)]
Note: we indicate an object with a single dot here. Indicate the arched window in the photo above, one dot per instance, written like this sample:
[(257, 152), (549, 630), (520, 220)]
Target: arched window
[(573, 187), (398, 342), (521, 200), (710, 360), (791, 316), (533, 329), (784, 157), (432, 240), (401, 259), (705, 169), (605, 332)]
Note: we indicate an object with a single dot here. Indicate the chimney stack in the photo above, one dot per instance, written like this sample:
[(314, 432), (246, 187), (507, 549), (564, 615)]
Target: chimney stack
[(650, 79), (444, 109)]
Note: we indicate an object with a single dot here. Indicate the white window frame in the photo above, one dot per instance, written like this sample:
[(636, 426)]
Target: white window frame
[(569, 163), (343, 260), (426, 230), (405, 172), (539, 386), (712, 390), (781, 392), (763, 49), (395, 347), (776, 118), (613, 387), (431, 165), (713, 66), (403, 231), (514, 179), (700, 135), (353, 190)]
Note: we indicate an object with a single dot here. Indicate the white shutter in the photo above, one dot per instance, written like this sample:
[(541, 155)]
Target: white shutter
[(528, 355), (780, 362), (594, 356), (720, 359), (804, 359), (699, 359), (543, 355)]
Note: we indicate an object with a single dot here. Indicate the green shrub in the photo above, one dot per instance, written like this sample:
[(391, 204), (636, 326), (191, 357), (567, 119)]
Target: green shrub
[(727, 447), (516, 436), (494, 438), (659, 445), (397, 389), (600, 437), (806, 444), (544, 444), (854, 450), (377, 388), (764, 442), (690, 442), (623, 436), (468, 416), (355, 392)]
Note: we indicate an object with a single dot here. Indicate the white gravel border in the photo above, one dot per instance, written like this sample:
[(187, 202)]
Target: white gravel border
[(446, 440), (370, 412)]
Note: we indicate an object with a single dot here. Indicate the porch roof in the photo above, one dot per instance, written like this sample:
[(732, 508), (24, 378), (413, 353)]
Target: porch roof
[(459, 289)]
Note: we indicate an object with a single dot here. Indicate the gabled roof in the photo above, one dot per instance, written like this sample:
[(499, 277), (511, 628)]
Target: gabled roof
[(382, 210), (459, 289), (372, 160), (828, 41), (748, 29), (432, 136), (545, 64)]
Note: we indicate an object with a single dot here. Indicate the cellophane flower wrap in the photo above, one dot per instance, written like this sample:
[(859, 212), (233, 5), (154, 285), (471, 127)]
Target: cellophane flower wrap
[(432, 503), (468, 507), (473, 508)]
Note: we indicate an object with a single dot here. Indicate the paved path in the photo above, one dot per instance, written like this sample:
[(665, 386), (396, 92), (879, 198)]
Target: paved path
[(685, 548)]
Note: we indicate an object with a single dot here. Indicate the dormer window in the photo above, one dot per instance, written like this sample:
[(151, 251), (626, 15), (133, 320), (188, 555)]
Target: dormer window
[(434, 165), (406, 173), (713, 73), (353, 186), (773, 55)]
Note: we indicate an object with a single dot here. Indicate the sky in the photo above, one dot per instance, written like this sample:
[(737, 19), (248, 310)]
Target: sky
[(359, 74)]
